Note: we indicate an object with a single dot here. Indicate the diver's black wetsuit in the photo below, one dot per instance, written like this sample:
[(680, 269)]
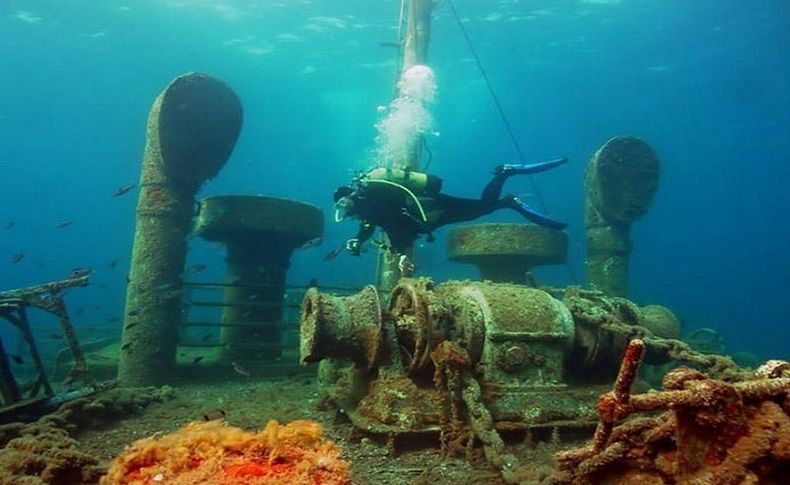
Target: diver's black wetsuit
[(394, 209)]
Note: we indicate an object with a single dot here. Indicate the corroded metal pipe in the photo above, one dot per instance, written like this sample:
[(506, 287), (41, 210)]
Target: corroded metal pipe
[(418, 33), (192, 128), (621, 180)]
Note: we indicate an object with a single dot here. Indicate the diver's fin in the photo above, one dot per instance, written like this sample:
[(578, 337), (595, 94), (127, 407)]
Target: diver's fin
[(532, 215), (513, 169)]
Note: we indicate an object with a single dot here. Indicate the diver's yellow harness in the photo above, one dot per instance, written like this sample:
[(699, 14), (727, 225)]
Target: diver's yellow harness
[(385, 176)]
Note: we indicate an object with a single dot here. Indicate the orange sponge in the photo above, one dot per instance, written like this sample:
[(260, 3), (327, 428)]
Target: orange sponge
[(215, 453)]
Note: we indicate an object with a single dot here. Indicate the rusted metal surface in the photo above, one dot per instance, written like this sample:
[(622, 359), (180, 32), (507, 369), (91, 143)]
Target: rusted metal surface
[(341, 327), (505, 253), (465, 360), (711, 431), (49, 298)]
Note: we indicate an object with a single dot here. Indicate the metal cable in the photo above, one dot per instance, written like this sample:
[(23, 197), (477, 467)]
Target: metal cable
[(501, 110), (505, 121)]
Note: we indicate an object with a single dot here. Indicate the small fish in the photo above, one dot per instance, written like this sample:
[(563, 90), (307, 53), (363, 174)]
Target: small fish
[(240, 370), (170, 294), (112, 264), (63, 224), (80, 310), (312, 243), (123, 189), (9, 224), (197, 268), (165, 286), (17, 257), (55, 336), (111, 319), (130, 325), (334, 253), (79, 272), (206, 337), (17, 359), (126, 345), (133, 312), (254, 296), (197, 359)]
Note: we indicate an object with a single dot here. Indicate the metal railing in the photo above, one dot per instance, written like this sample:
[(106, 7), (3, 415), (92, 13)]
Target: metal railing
[(204, 314)]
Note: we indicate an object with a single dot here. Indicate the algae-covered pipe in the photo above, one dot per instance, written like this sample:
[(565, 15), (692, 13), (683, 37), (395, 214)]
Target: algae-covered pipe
[(621, 179), (192, 128)]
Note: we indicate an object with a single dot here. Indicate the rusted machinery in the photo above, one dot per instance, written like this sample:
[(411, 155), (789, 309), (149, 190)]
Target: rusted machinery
[(14, 305), (539, 362), (711, 431)]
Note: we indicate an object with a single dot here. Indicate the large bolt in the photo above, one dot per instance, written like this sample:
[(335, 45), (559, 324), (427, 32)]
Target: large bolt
[(504, 253), (260, 233), (192, 128)]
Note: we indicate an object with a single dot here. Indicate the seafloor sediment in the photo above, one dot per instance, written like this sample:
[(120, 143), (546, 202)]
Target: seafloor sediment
[(58, 451), (711, 430)]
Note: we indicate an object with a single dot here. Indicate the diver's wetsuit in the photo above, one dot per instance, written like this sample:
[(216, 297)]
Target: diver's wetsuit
[(394, 209)]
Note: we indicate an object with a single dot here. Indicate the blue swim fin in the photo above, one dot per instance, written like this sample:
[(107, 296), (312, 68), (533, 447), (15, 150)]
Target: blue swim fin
[(531, 214), (513, 169)]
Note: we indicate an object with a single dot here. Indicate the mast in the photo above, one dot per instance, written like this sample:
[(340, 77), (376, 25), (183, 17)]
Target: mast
[(415, 51)]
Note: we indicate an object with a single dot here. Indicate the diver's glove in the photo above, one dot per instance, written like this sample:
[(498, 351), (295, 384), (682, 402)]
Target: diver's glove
[(354, 247)]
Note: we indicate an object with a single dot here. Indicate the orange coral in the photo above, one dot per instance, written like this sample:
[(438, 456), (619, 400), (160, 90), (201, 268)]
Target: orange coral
[(214, 452)]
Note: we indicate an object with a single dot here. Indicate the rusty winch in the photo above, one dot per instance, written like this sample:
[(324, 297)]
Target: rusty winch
[(538, 362)]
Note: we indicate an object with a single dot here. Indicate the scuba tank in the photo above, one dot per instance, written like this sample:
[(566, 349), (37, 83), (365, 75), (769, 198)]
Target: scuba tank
[(417, 182)]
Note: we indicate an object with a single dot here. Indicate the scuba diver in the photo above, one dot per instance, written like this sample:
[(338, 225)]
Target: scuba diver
[(406, 204)]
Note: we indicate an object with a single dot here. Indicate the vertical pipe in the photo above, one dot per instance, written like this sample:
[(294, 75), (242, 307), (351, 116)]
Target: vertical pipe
[(621, 180), (415, 51), (192, 128), (608, 252), (418, 33)]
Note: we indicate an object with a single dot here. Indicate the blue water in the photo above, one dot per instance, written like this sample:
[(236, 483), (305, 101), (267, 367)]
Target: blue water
[(703, 81)]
